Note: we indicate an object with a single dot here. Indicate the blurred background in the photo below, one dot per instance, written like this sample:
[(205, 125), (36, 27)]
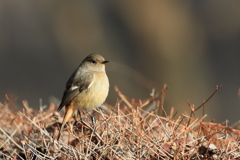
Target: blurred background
[(191, 46)]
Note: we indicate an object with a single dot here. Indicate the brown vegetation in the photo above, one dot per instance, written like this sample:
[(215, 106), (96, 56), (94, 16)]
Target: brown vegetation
[(128, 130)]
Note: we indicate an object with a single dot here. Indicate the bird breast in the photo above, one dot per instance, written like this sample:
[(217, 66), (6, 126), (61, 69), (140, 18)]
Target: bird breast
[(95, 95)]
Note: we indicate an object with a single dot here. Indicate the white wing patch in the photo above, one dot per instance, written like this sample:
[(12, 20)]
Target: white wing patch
[(90, 84), (73, 88)]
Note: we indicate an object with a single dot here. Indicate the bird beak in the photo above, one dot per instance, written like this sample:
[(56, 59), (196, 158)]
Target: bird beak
[(105, 62)]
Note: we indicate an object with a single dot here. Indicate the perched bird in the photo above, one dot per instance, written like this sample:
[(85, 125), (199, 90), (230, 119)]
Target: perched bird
[(86, 89)]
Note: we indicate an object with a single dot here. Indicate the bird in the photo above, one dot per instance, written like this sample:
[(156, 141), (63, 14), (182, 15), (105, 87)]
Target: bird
[(86, 89)]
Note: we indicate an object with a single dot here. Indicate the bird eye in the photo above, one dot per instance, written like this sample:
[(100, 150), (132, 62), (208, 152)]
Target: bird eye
[(93, 61)]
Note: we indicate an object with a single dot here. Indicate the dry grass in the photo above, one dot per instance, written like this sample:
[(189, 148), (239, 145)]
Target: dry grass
[(128, 130)]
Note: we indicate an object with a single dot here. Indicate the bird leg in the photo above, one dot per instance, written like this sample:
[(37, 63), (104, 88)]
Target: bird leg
[(80, 115), (92, 118)]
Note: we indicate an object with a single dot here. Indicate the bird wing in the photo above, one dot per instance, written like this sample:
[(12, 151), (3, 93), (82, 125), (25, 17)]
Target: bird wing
[(68, 96), (78, 85)]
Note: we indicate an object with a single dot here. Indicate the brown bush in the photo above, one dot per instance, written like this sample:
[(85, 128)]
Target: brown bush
[(128, 130)]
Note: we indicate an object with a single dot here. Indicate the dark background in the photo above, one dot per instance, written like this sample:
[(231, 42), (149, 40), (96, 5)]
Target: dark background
[(192, 46)]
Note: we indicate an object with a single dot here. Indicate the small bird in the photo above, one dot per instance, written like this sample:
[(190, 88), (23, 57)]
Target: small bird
[(86, 89)]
